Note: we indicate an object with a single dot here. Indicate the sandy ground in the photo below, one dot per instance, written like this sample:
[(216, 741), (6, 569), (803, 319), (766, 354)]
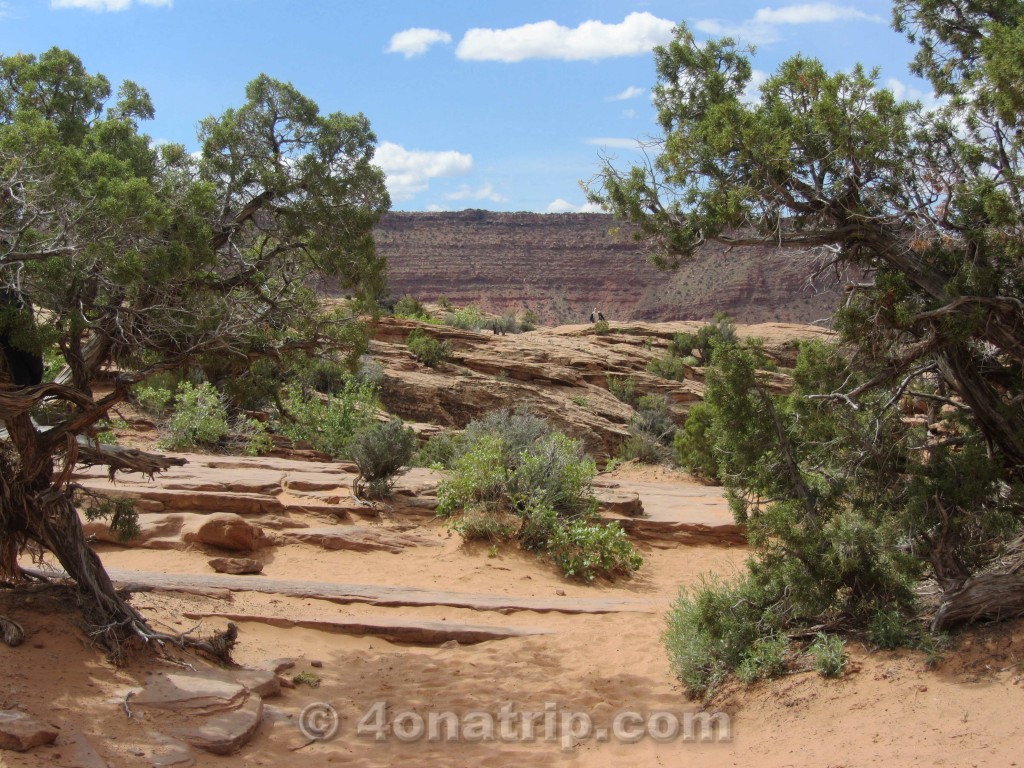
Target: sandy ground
[(603, 670)]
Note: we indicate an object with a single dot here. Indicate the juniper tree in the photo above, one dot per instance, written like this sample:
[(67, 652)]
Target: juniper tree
[(129, 258), (923, 209)]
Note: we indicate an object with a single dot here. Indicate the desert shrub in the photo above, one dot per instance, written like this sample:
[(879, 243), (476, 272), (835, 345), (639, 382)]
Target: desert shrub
[(694, 445), (668, 367), (653, 418), (483, 524), (512, 477), (439, 451), (323, 375), (427, 349), (329, 423), (765, 659), (891, 629), (623, 388), (601, 327), (642, 448), (829, 654), (517, 431), (412, 308), (253, 435), (507, 323), (585, 550), (469, 318), (380, 451), (690, 360), (199, 420), (445, 303), (529, 321), (715, 627), (155, 401)]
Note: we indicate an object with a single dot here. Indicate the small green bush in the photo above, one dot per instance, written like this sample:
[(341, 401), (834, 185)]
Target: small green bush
[(512, 477), (412, 308), (439, 451), (200, 419), (766, 659), (587, 550), (329, 423), (155, 401), (529, 321), (469, 318), (669, 367), (380, 451), (890, 629), (623, 388), (829, 654), (714, 627), (644, 449), (601, 327), (427, 349)]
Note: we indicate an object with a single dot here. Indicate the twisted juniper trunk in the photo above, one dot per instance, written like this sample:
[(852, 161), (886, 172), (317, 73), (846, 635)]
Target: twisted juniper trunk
[(34, 509)]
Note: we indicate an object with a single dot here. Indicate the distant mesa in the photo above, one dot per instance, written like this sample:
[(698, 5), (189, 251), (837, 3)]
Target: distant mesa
[(562, 265)]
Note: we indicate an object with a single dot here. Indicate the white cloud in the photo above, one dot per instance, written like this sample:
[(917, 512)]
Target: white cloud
[(903, 92), (415, 41), (107, 5), (486, 192), (752, 93), (615, 143), (637, 34), (409, 172), (564, 206), (630, 93), (763, 26)]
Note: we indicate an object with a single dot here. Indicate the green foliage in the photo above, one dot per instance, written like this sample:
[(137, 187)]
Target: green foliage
[(694, 443), (601, 327), (643, 448), (124, 518), (199, 420), (668, 367), (623, 388), (714, 628), (427, 349), (890, 629), (512, 477), (765, 659), (155, 401), (468, 318), (587, 550), (329, 423), (829, 654), (529, 321), (412, 308), (438, 451), (380, 451)]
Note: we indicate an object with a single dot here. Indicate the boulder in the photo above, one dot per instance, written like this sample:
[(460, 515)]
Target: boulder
[(227, 531), (20, 732), (225, 732), (236, 565)]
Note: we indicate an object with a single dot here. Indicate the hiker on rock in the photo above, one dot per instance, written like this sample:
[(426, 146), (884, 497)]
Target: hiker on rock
[(596, 315)]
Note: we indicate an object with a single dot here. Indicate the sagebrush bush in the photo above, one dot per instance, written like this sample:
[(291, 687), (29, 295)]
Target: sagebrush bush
[(669, 367), (380, 451), (438, 452), (714, 627), (412, 308), (512, 477), (644, 449), (427, 349), (155, 401), (601, 327)]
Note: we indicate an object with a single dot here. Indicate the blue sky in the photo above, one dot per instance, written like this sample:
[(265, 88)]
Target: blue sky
[(476, 104)]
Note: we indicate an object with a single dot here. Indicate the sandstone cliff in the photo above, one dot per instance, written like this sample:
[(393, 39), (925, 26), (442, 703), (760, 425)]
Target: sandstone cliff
[(562, 265)]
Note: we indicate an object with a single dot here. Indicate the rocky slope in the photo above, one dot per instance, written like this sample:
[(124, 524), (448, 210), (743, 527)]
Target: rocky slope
[(562, 265), (560, 374)]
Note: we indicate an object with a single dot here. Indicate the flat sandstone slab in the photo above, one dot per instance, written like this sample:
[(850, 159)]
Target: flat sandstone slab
[(375, 594)]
